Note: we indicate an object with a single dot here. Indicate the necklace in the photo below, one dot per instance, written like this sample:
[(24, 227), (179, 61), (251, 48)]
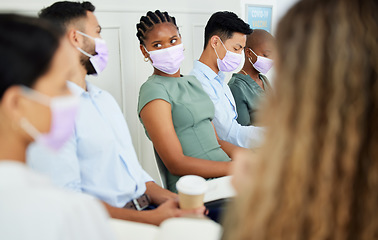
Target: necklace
[(244, 72)]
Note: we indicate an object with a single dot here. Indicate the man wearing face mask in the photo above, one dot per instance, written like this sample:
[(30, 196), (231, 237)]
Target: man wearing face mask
[(249, 85), (100, 159), (225, 39)]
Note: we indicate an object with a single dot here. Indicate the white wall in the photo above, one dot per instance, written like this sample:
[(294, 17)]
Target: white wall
[(126, 70), (283, 6)]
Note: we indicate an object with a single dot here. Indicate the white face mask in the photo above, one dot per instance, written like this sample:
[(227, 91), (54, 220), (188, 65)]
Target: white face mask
[(100, 60), (270, 74), (63, 115), (262, 64), (167, 60), (230, 62)]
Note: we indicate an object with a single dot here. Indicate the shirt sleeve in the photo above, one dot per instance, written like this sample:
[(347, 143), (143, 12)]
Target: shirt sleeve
[(147, 177), (62, 167), (229, 129), (246, 136), (151, 91), (241, 104)]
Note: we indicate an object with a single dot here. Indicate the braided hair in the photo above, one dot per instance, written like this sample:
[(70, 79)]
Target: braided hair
[(148, 22)]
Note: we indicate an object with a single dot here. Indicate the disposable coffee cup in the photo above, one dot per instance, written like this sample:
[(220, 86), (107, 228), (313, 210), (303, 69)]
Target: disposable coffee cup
[(191, 190)]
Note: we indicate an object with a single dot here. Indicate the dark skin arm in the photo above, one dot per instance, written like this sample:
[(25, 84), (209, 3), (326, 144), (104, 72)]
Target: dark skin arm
[(157, 119)]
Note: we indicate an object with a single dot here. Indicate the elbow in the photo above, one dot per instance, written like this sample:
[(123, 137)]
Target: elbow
[(176, 172), (176, 169), (175, 165)]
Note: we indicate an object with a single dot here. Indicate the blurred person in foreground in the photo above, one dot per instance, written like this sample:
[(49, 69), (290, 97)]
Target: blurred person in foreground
[(316, 177), (36, 105)]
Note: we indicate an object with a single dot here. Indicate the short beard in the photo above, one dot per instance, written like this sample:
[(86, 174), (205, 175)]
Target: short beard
[(84, 60)]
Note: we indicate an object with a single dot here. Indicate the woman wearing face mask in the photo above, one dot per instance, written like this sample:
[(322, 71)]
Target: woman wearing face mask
[(174, 109), (36, 105), (250, 85)]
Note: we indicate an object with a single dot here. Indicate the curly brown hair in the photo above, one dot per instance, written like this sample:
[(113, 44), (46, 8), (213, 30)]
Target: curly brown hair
[(317, 175)]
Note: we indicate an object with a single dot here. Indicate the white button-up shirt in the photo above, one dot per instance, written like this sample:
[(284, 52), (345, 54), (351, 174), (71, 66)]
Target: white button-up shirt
[(100, 158), (228, 129), (32, 208)]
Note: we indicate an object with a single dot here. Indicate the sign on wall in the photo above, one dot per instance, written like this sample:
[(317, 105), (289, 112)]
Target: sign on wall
[(259, 17)]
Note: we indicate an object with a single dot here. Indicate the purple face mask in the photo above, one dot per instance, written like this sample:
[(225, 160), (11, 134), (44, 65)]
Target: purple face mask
[(100, 60), (167, 60), (262, 64), (230, 62), (63, 114)]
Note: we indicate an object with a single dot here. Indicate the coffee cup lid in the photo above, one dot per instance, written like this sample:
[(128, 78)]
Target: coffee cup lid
[(191, 185)]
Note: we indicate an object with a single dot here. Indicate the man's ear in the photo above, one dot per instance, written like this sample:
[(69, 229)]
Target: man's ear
[(10, 102), (214, 41), (74, 38)]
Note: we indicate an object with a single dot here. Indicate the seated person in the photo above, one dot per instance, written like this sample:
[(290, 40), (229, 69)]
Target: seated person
[(36, 61), (174, 110), (250, 85), (225, 37), (316, 175), (100, 159)]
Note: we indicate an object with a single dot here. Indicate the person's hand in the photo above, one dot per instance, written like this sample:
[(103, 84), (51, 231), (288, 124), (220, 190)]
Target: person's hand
[(170, 209), (165, 195), (197, 212), (157, 194)]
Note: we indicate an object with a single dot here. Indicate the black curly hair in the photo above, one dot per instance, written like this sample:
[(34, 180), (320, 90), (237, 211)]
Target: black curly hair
[(225, 24), (148, 22)]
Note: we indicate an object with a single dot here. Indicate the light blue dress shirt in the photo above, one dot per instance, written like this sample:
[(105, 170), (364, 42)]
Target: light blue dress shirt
[(228, 129), (100, 158)]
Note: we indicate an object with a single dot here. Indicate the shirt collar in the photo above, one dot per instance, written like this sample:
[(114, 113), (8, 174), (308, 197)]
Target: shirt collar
[(92, 90), (265, 81), (248, 80), (208, 72), (75, 89)]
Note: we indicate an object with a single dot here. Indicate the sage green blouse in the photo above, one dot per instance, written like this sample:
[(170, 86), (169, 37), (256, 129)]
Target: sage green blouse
[(192, 112), (247, 94)]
